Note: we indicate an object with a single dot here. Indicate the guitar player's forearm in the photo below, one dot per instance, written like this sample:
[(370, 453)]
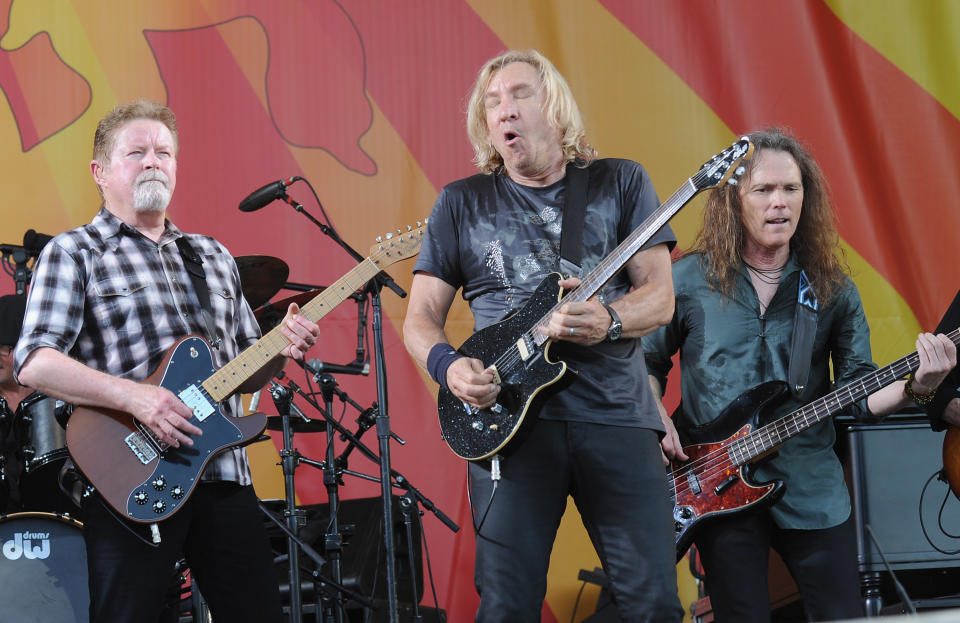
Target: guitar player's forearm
[(430, 301), (52, 373), (650, 304)]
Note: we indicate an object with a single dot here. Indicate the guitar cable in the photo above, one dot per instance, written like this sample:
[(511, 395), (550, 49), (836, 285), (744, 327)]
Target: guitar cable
[(941, 476), (495, 477)]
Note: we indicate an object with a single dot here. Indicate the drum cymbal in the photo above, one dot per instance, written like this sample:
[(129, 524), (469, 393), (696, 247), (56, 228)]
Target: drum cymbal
[(270, 314), (261, 276), (275, 422)]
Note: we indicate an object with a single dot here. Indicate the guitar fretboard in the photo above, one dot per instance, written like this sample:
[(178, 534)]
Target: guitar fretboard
[(231, 376), (765, 439)]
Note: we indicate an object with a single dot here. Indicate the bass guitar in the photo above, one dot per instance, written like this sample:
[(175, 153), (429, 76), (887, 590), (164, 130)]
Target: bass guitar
[(516, 351), (716, 481), (144, 479)]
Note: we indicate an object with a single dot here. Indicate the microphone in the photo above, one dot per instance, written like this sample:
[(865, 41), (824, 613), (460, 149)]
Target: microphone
[(266, 194), (320, 367), (34, 242)]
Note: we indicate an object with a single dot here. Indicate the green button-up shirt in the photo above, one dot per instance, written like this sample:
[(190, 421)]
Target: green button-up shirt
[(727, 347)]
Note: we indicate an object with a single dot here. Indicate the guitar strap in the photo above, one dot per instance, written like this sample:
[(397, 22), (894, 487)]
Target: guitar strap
[(574, 211), (194, 265), (804, 332)]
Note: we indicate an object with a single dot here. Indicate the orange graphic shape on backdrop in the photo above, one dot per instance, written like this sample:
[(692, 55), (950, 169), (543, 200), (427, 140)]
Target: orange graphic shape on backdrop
[(314, 82), (45, 95)]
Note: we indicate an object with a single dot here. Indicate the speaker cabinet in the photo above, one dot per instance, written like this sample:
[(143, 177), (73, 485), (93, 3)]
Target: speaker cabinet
[(363, 554), (889, 465)]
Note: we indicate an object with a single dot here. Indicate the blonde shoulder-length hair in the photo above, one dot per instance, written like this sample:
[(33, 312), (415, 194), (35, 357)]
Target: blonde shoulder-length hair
[(559, 108)]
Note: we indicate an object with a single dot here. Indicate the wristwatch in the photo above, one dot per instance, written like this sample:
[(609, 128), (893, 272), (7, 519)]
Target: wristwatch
[(616, 327)]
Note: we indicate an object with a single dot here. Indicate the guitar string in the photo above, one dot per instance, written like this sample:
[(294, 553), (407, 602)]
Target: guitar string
[(766, 433), (593, 281), (716, 461)]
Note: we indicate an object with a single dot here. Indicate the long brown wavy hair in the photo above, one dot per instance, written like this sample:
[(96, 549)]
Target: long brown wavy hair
[(815, 244)]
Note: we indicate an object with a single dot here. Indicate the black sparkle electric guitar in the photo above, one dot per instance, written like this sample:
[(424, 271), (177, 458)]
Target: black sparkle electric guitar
[(145, 480), (516, 351), (716, 481)]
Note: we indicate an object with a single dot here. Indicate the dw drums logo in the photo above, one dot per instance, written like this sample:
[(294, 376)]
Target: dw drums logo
[(28, 545)]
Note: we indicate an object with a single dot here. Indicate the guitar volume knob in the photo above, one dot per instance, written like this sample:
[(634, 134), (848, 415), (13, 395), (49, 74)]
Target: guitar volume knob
[(159, 483), (140, 497), (159, 506), (177, 492)]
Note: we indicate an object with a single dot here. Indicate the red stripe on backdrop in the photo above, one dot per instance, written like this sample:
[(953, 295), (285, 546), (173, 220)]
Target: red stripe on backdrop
[(889, 148), (423, 58)]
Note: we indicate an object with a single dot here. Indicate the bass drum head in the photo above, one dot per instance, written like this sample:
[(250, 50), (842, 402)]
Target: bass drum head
[(43, 569)]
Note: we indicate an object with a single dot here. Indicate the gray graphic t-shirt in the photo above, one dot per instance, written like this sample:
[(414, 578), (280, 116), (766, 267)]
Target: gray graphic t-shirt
[(498, 240)]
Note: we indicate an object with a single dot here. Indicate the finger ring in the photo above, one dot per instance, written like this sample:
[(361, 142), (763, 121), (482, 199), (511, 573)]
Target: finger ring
[(572, 331)]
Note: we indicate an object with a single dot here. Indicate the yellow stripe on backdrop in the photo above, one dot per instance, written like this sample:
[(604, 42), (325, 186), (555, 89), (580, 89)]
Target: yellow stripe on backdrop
[(918, 37)]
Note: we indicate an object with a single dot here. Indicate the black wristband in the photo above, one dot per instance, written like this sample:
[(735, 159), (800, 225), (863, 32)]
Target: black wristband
[(439, 359)]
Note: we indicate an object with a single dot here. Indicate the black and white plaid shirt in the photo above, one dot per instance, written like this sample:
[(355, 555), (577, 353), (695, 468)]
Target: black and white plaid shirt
[(115, 300)]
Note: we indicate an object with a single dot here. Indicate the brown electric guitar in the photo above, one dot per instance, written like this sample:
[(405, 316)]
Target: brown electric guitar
[(147, 481)]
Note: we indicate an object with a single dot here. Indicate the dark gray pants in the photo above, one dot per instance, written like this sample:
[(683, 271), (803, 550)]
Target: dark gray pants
[(220, 531), (735, 553), (617, 479)]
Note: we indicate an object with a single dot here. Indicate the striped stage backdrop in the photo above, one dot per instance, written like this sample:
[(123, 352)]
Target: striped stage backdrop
[(365, 100)]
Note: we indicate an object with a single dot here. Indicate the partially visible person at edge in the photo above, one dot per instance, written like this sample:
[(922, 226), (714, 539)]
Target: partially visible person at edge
[(943, 407), (108, 299), (736, 291), (12, 396), (496, 235)]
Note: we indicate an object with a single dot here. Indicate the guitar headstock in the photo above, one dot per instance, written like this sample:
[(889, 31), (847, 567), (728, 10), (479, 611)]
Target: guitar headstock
[(393, 247), (725, 167)]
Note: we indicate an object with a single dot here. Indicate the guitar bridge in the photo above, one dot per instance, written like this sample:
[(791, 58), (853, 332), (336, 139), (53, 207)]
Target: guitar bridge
[(141, 447)]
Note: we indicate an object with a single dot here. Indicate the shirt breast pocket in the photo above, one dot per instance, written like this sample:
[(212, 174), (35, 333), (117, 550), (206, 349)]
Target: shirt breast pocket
[(121, 303)]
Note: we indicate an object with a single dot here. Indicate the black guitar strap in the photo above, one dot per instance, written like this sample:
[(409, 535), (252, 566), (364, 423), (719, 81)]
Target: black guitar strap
[(804, 332), (194, 265), (574, 211)]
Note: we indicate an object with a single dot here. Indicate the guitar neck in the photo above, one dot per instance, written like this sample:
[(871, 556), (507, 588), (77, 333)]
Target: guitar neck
[(600, 275), (769, 437), (230, 377)]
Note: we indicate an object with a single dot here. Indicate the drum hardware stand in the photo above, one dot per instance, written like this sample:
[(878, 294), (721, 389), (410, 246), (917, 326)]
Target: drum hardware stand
[(282, 400), (295, 519), (367, 418), (15, 264)]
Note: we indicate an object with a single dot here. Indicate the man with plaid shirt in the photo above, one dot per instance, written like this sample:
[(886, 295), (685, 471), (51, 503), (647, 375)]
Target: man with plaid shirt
[(107, 301)]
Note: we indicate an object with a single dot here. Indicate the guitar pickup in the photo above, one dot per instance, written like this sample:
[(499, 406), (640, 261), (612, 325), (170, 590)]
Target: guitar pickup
[(525, 347), (694, 483), (194, 398), (726, 484)]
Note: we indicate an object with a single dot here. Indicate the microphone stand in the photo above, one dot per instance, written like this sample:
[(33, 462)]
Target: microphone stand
[(381, 278), (373, 288)]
